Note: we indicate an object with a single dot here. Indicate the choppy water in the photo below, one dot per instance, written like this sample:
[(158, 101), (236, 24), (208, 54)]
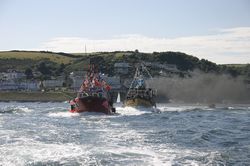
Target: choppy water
[(46, 134)]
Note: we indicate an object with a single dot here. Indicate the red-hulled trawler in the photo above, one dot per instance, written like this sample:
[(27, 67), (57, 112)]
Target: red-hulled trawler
[(93, 95)]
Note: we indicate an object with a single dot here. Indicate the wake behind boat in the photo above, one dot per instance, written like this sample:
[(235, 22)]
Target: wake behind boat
[(93, 95), (138, 94)]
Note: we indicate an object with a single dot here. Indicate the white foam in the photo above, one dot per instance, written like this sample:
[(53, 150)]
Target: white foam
[(28, 151), (114, 140), (147, 156), (180, 108), (33, 152), (25, 109), (130, 145), (62, 114), (133, 111), (18, 109)]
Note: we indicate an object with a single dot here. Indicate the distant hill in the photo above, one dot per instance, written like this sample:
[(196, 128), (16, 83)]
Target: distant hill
[(20, 60), (35, 55), (57, 63)]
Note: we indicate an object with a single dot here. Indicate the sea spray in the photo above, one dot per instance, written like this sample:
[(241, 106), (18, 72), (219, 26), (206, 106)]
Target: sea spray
[(180, 135)]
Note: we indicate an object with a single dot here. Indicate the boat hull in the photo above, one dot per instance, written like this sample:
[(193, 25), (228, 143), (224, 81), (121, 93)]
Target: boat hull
[(93, 104), (137, 102)]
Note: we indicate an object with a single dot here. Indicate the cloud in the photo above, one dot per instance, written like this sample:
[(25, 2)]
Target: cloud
[(225, 46)]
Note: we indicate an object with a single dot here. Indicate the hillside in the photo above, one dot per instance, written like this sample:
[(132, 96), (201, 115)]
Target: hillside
[(21, 60), (51, 63), (36, 56)]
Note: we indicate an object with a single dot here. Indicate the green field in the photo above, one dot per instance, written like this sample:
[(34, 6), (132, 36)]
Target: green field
[(236, 65), (54, 57)]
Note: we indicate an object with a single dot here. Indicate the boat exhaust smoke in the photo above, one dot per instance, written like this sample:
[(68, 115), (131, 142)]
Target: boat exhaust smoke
[(203, 88)]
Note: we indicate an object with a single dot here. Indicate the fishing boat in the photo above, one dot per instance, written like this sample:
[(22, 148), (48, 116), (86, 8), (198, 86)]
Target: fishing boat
[(93, 95), (138, 93)]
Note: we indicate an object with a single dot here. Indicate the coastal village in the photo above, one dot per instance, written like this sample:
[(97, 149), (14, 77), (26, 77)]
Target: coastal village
[(47, 76), (13, 80)]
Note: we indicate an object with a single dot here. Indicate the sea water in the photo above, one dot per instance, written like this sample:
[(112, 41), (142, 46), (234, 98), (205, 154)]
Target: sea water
[(47, 134)]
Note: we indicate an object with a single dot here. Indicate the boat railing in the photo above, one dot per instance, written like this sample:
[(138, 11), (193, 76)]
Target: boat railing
[(141, 92), (89, 93), (82, 94)]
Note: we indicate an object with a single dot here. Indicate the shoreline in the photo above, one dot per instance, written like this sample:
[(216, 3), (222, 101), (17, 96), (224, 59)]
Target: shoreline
[(36, 96), (62, 96)]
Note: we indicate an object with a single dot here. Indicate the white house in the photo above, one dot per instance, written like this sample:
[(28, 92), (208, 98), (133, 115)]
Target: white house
[(12, 75), (53, 83), (27, 85), (77, 82), (8, 85)]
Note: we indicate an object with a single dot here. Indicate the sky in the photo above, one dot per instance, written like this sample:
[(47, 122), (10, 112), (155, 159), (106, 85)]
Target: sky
[(216, 30)]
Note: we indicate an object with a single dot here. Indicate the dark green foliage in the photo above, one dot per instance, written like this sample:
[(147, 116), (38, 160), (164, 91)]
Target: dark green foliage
[(233, 71), (29, 74), (236, 70), (44, 68), (207, 66), (69, 55), (183, 61), (68, 81), (60, 69), (247, 71), (48, 69), (17, 64)]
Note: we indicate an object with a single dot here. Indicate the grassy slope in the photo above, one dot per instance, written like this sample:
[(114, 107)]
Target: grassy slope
[(20, 60), (35, 56), (235, 65), (81, 65)]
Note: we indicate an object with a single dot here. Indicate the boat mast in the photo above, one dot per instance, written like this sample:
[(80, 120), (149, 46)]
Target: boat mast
[(145, 68), (135, 77)]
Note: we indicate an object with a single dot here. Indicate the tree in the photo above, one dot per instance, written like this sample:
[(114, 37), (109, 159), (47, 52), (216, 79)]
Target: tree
[(208, 66), (29, 74), (60, 69), (44, 69)]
